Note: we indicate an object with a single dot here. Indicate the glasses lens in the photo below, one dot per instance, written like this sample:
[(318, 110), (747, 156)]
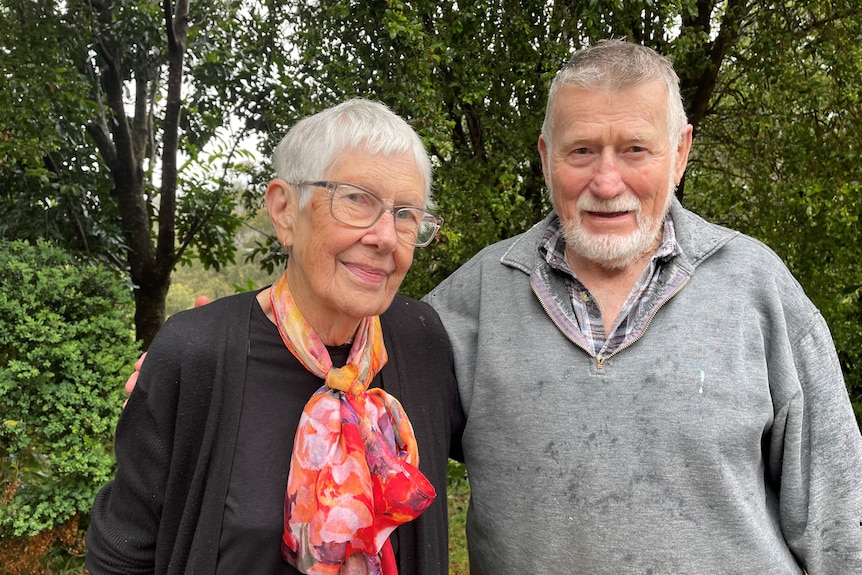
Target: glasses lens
[(415, 225), (354, 207)]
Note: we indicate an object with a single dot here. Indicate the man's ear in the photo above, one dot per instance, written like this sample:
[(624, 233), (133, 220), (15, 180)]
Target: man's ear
[(682, 150), (283, 207), (543, 154)]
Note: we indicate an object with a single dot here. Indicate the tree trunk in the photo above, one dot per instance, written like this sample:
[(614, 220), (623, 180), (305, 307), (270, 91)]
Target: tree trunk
[(150, 297), (124, 146), (698, 76)]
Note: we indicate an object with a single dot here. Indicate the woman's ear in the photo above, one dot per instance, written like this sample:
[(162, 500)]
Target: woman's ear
[(282, 206)]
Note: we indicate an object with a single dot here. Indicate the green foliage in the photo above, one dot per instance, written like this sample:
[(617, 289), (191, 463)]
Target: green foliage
[(89, 144), (51, 180), (65, 350), (208, 219), (778, 158), (42, 95), (193, 280)]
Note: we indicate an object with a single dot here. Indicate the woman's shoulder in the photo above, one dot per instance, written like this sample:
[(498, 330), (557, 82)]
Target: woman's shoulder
[(409, 313), (199, 329)]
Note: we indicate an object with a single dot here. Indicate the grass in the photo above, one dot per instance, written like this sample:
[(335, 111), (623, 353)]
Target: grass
[(458, 498)]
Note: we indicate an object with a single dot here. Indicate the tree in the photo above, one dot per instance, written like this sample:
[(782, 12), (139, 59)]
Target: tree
[(92, 132), (761, 82)]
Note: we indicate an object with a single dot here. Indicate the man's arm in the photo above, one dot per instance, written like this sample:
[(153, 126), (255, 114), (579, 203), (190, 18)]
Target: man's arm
[(816, 458)]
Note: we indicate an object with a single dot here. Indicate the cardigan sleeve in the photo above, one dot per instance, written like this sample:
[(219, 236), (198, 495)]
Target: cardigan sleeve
[(145, 519), (126, 513)]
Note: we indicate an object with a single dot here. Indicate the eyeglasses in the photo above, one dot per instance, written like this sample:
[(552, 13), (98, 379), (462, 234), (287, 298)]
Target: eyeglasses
[(360, 208)]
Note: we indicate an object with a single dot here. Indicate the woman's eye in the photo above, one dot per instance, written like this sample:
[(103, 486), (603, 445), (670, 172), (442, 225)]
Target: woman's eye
[(358, 198), (407, 215)]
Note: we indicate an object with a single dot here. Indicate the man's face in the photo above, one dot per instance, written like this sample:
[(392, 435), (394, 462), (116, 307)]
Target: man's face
[(611, 169)]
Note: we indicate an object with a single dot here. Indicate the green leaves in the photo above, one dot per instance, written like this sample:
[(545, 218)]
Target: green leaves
[(89, 136), (777, 157), (66, 347), (774, 94)]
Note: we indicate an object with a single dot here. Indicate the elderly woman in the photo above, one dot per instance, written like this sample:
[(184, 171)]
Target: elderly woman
[(233, 455)]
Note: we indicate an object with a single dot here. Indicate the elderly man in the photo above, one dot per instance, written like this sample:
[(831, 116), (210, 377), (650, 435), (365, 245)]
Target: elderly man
[(645, 392)]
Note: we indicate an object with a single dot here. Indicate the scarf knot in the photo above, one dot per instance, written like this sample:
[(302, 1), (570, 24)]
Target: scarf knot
[(354, 473), (345, 379)]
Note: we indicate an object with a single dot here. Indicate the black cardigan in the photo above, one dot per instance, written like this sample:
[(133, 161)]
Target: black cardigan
[(175, 441)]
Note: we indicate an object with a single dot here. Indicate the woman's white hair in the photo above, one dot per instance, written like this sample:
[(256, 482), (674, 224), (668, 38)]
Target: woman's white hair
[(314, 143), (616, 65)]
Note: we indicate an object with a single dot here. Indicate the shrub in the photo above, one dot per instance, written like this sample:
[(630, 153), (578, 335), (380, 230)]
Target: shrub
[(66, 346)]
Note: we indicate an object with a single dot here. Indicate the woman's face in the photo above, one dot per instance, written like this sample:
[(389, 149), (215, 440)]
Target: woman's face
[(339, 274)]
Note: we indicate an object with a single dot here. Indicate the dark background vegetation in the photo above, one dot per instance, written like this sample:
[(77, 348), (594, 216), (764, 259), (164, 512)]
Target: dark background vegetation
[(131, 135)]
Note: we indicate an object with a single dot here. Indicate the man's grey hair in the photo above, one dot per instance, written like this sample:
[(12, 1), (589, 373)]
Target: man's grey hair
[(616, 65), (314, 143)]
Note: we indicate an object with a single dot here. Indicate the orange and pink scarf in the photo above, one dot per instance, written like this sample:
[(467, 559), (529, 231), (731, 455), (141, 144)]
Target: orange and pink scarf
[(354, 473)]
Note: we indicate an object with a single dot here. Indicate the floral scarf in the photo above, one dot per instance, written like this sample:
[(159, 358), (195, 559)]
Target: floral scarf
[(353, 472)]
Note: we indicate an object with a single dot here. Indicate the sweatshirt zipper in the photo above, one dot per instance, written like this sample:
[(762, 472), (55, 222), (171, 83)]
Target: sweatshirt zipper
[(559, 327), (600, 360)]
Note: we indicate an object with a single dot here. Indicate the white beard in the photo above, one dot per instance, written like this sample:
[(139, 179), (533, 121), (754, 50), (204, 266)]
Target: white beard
[(613, 251)]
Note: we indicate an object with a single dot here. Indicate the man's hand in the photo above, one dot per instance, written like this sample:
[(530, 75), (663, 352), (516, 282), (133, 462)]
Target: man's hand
[(201, 300), (133, 378)]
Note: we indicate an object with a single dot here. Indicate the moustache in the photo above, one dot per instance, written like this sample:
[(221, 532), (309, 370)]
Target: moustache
[(613, 205)]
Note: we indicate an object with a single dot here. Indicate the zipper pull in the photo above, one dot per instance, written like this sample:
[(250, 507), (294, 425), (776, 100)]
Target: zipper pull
[(600, 362)]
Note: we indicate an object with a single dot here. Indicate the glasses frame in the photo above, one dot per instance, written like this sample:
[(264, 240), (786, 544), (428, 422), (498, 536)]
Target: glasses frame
[(331, 186)]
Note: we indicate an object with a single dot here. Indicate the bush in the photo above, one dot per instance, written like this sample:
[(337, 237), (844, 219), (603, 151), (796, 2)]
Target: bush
[(66, 347)]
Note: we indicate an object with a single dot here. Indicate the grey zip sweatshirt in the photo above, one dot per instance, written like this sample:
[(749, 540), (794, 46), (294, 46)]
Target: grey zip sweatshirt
[(722, 441)]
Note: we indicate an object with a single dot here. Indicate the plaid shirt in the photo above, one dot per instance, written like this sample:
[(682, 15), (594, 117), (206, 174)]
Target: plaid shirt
[(635, 313)]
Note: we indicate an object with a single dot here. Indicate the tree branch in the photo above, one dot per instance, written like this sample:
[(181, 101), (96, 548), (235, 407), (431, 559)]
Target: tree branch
[(140, 125), (729, 32), (126, 170), (197, 225), (176, 26)]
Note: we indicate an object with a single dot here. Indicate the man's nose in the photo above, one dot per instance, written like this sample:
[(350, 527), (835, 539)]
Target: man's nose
[(607, 179)]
